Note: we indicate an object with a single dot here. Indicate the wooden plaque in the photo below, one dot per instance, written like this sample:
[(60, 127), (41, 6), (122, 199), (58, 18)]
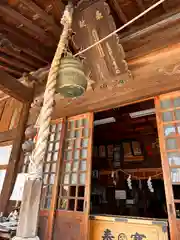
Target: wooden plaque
[(105, 63)]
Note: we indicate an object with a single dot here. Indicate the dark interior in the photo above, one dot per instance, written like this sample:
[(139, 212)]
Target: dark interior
[(128, 146)]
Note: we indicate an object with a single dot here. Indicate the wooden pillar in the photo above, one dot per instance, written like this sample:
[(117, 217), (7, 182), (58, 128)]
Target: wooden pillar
[(12, 169), (28, 221)]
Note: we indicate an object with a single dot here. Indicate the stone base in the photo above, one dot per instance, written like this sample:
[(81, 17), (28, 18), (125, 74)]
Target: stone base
[(22, 238)]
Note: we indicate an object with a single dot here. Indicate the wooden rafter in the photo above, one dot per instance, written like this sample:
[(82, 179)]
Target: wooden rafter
[(20, 40), (5, 10), (19, 55), (22, 46), (14, 88), (43, 15), (13, 71), (119, 11), (58, 8), (15, 63), (140, 5)]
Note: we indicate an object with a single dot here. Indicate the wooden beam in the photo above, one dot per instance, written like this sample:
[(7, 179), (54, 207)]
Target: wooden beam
[(145, 41), (14, 88), (116, 6), (140, 5), (41, 55), (43, 15), (31, 47), (12, 169), (5, 11), (15, 63), (19, 55), (8, 135), (58, 8), (15, 72)]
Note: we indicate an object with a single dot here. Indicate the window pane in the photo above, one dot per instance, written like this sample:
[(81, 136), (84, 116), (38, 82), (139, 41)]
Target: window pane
[(55, 156), (5, 152), (82, 178), (79, 123), (166, 104), (77, 133), (67, 167), (50, 147), (48, 158), (68, 155), (171, 143), (177, 102), (64, 191), (47, 203), (52, 137), (49, 190), (53, 167), (66, 179), (71, 124), (75, 166), (80, 205), (85, 122), (85, 132), (57, 136), (71, 134), (175, 175), (53, 128), (45, 178), (76, 154), (169, 130), (167, 116), (84, 153), (59, 127), (2, 176), (47, 168), (177, 114), (71, 204), (63, 203), (174, 158), (74, 178), (56, 147), (83, 165), (78, 143), (84, 143)]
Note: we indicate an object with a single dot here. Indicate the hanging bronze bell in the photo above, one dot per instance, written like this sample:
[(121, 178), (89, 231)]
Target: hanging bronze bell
[(71, 79)]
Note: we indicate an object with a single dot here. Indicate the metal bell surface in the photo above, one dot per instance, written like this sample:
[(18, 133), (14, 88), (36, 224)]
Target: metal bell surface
[(71, 80)]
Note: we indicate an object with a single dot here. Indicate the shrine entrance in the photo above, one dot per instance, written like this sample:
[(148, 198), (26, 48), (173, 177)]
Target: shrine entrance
[(128, 184)]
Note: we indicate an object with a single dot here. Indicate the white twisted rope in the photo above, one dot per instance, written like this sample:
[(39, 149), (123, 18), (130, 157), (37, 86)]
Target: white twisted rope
[(47, 108)]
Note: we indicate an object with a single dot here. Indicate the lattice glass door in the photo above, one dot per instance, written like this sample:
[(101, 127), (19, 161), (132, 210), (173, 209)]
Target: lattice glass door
[(74, 193), (50, 178), (168, 120)]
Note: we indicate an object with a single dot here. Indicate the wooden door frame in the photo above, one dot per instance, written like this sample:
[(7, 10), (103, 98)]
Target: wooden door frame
[(166, 174)]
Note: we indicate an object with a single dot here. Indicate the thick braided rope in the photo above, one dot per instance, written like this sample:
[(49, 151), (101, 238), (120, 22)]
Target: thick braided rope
[(47, 109)]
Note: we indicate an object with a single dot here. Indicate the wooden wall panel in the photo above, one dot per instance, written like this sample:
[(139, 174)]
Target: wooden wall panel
[(10, 110), (43, 220), (68, 226)]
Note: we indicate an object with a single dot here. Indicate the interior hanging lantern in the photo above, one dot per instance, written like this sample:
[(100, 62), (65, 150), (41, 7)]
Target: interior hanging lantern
[(71, 79)]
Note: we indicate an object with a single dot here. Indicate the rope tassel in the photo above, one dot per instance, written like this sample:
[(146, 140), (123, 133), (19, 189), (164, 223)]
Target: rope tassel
[(48, 103)]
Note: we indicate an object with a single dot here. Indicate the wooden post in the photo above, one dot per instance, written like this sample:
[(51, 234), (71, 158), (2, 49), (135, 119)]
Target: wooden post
[(12, 169), (28, 222)]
